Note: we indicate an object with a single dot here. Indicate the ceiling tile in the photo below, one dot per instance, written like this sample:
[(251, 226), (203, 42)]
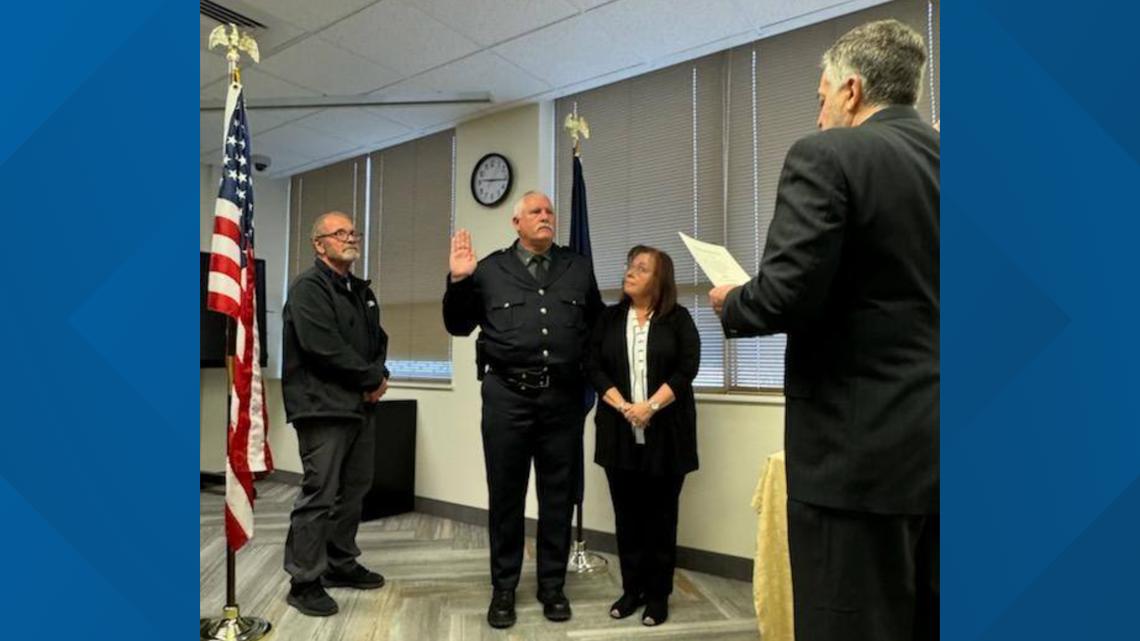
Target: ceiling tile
[(209, 131), (589, 4), (212, 66), (658, 28), (261, 120), (320, 66), (423, 116), (360, 125), (570, 51), (257, 85), (490, 23), (296, 139), (484, 71), (399, 37), (306, 14)]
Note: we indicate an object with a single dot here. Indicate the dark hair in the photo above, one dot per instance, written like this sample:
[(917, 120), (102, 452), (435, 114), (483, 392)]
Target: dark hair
[(663, 288)]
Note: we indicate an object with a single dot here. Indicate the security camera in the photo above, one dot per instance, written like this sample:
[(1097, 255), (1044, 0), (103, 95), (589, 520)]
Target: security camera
[(261, 163)]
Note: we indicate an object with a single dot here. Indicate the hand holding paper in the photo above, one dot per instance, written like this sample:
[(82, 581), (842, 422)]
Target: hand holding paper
[(719, 265), (716, 262)]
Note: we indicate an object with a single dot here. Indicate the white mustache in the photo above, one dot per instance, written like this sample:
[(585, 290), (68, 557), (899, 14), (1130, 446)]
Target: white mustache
[(545, 226)]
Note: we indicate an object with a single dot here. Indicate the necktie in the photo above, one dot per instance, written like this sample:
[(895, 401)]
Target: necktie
[(539, 268)]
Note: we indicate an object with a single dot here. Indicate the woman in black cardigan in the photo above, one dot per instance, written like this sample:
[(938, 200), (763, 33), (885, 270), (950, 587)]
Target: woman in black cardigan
[(644, 355)]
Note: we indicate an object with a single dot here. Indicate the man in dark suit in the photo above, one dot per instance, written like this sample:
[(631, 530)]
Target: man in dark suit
[(850, 273), (534, 303)]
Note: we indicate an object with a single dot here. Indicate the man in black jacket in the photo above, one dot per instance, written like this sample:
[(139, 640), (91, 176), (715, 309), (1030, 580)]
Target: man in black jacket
[(850, 273), (334, 373), (535, 303)]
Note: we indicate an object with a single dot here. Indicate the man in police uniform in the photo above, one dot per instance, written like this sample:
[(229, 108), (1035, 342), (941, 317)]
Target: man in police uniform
[(535, 303)]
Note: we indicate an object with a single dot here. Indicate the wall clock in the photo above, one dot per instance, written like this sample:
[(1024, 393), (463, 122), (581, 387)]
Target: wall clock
[(491, 180)]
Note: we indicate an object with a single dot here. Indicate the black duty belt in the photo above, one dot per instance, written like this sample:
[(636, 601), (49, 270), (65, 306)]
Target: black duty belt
[(536, 377)]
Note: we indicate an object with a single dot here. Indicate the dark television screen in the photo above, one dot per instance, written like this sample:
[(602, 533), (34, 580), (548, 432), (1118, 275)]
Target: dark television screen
[(213, 325)]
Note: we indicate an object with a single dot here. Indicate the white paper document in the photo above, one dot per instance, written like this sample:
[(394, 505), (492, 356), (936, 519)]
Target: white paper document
[(716, 262)]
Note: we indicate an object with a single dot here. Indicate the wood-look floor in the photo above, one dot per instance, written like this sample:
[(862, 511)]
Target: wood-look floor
[(438, 587)]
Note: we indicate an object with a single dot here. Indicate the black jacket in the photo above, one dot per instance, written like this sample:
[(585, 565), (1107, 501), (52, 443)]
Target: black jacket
[(525, 323), (333, 346), (674, 356), (850, 272)]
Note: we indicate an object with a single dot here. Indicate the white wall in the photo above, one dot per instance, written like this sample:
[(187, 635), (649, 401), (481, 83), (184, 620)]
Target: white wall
[(735, 433)]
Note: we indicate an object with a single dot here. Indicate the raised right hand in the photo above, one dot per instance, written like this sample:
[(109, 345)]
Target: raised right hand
[(462, 260)]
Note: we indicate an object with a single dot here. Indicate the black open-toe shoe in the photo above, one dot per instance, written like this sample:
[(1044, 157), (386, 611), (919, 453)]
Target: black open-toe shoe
[(656, 612), (626, 605)]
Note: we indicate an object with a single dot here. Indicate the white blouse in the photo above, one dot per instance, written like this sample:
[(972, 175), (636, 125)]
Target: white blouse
[(637, 346)]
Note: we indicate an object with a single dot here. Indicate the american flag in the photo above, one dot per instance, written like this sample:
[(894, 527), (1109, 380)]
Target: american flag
[(232, 291)]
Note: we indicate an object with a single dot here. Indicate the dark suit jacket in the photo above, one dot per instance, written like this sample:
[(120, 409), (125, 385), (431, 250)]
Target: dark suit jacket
[(673, 357), (850, 273)]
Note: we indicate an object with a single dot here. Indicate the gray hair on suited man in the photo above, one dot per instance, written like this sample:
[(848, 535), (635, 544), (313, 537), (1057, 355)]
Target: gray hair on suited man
[(888, 56)]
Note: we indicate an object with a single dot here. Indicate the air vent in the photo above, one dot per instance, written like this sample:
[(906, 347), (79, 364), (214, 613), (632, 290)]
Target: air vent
[(226, 16)]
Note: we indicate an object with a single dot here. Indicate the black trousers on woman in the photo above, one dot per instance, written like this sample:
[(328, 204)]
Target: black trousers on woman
[(645, 511)]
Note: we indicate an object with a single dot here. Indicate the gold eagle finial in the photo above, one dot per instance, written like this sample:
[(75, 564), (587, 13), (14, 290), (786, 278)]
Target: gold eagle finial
[(234, 42), (577, 127)]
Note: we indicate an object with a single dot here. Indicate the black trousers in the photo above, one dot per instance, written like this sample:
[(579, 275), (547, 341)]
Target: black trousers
[(520, 426), (337, 455), (645, 513), (859, 576)]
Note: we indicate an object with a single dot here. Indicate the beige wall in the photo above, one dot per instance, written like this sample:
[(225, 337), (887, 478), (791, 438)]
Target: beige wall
[(736, 433), (735, 436)]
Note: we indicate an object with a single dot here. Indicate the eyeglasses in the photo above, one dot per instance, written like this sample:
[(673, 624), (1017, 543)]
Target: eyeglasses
[(343, 235)]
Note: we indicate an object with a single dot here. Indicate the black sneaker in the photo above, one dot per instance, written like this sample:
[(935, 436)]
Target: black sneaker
[(501, 613), (311, 599), (555, 605), (358, 577)]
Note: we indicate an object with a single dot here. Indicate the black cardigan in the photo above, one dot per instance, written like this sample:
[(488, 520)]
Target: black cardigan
[(674, 355)]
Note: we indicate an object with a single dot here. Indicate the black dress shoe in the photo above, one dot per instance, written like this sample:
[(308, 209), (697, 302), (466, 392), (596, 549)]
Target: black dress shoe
[(501, 613), (555, 605), (358, 577), (626, 605), (656, 612), (311, 599)]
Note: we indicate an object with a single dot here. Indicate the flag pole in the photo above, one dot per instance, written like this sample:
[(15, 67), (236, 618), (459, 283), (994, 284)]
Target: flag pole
[(231, 626), (582, 561)]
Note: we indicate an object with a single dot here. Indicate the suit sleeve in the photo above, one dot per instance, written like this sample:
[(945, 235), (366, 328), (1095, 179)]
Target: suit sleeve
[(311, 308), (688, 350), (595, 368), (462, 306), (803, 248)]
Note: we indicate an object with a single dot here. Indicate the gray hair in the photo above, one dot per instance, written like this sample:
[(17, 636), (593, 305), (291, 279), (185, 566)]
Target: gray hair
[(518, 210), (319, 223), (888, 56)]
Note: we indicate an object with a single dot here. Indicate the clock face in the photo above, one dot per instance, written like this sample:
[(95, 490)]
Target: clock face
[(491, 180)]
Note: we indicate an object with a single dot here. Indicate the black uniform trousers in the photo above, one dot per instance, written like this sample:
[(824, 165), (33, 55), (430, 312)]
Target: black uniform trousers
[(519, 426), (863, 577), (645, 513), (338, 457)]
